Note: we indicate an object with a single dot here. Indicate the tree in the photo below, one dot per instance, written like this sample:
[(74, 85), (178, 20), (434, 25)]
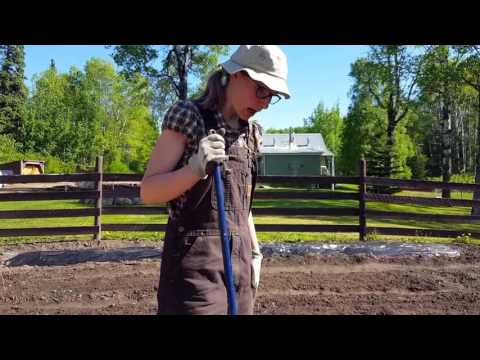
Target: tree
[(47, 121), (362, 132), (468, 57), (13, 92), (121, 117), (170, 79), (439, 83), (354, 138), (296, 130), (424, 132), (8, 149), (365, 133), (389, 74), (328, 123), (82, 114)]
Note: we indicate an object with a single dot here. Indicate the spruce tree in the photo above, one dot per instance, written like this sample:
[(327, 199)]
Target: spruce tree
[(13, 92)]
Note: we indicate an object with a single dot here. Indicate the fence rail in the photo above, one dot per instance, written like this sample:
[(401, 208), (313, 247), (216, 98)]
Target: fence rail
[(134, 227), (134, 210), (97, 186), (420, 200), (53, 195), (420, 232), (306, 228), (71, 230), (309, 195), (377, 214), (372, 180), (308, 180), (306, 211), (30, 179), (61, 213)]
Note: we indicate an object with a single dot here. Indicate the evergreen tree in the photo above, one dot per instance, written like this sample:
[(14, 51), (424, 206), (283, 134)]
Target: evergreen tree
[(13, 92)]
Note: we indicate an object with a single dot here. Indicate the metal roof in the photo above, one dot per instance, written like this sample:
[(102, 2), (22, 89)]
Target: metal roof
[(294, 143)]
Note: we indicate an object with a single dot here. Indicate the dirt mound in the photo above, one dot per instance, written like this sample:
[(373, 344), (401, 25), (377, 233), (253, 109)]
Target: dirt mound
[(307, 284)]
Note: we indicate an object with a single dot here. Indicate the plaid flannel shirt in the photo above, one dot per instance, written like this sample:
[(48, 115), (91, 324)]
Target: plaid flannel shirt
[(183, 117)]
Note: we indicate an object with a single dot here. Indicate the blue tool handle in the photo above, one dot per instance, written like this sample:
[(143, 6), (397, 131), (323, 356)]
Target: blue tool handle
[(225, 233)]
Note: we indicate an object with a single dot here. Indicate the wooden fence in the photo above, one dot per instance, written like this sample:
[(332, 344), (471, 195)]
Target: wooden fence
[(97, 192)]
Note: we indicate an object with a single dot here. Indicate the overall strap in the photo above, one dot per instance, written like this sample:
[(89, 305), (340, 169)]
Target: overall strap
[(255, 161), (210, 123)]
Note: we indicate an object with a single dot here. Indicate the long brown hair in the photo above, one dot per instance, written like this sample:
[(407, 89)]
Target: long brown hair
[(214, 95)]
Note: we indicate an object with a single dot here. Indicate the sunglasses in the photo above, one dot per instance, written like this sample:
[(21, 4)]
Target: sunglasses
[(264, 92)]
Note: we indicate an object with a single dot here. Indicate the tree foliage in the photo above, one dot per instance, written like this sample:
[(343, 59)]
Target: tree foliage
[(327, 122), (82, 114), (171, 69)]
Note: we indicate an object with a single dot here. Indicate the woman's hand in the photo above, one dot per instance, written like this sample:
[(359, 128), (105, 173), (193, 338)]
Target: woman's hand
[(210, 149)]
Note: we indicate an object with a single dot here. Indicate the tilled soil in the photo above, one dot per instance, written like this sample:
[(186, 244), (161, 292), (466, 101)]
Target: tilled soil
[(312, 284)]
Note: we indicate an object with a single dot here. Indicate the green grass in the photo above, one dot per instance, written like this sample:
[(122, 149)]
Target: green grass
[(263, 237), (75, 221), (456, 178)]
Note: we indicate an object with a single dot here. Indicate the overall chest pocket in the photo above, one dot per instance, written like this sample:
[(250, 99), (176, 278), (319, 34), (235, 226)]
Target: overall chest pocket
[(237, 180)]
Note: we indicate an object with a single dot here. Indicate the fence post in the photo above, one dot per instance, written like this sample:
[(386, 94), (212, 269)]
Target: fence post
[(99, 187), (362, 190)]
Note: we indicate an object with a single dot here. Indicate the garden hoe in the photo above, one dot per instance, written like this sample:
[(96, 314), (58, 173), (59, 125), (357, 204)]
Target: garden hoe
[(225, 234)]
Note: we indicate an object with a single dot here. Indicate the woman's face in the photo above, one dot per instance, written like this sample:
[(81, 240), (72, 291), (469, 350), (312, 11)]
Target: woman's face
[(248, 96)]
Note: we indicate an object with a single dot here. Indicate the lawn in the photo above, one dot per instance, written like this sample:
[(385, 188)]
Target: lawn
[(263, 236)]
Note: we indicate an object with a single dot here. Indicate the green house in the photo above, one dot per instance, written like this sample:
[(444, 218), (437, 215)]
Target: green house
[(295, 155)]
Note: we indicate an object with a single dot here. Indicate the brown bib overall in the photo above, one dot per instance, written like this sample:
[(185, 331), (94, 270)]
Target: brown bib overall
[(192, 278)]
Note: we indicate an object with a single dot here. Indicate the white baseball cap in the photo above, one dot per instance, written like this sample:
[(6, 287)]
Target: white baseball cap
[(264, 63)]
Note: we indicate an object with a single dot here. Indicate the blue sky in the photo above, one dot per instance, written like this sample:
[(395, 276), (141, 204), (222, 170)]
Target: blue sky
[(317, 73)]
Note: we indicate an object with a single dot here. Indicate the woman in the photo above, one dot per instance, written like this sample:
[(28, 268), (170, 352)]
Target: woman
[(192, 275)]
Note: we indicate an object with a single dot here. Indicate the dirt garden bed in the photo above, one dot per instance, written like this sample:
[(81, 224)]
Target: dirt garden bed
[(310, 284)]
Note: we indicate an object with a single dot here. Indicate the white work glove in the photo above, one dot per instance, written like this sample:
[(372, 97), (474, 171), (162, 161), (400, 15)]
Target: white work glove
[(256, 265), (210, 148)]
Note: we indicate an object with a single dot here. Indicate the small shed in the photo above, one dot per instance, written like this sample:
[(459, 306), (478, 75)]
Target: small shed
[(24, 167), (295, 155)]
